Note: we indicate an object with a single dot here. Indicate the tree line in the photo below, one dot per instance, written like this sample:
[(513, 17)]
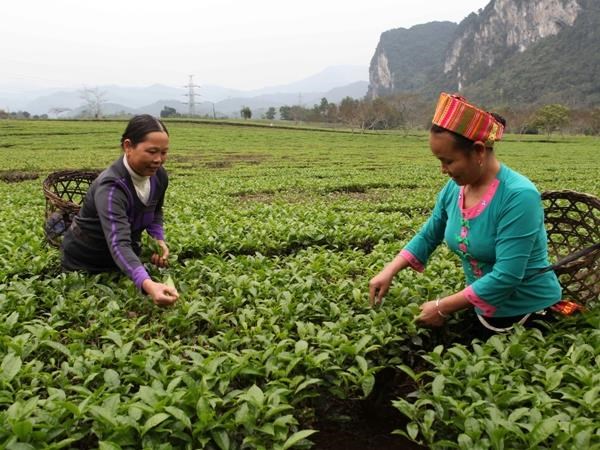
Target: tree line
[(400, 111), (412, 111)]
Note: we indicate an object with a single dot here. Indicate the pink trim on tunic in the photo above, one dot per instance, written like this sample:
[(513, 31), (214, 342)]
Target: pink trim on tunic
[(474, 211), (471, 213), (487, 309), (412, 260)]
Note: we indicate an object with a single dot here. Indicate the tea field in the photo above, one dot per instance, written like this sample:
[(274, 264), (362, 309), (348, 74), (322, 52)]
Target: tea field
[(274, 235)]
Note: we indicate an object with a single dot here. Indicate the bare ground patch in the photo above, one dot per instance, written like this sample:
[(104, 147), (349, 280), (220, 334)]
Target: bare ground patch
[(226, 160), (16, 176)]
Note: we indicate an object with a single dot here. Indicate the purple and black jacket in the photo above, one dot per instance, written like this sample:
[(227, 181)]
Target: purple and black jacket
[(106, 233)]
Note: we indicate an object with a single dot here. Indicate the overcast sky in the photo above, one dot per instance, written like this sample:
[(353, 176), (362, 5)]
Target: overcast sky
[(241, 44)]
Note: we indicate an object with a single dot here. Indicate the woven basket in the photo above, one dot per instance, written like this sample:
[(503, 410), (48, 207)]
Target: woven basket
[(573, 224), (64, 192)]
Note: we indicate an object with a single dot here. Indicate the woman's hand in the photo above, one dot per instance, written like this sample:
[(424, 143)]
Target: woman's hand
[(430, 315), (161, 294), (379, 286), (162, 259)]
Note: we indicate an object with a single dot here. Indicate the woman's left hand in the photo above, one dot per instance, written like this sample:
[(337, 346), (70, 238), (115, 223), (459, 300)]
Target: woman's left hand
[(430, 316), (162, 259)]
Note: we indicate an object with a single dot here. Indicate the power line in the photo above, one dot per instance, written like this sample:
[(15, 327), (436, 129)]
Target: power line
[(191, 95)]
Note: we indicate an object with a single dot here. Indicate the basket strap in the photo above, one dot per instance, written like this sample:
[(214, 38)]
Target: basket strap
[(566, 260)]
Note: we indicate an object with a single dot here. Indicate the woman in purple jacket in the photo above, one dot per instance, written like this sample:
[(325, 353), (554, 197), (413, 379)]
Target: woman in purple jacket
[(126, 199)]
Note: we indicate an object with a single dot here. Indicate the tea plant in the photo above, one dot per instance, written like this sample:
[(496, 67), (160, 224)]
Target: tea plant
[(274, 235), (523, 390)]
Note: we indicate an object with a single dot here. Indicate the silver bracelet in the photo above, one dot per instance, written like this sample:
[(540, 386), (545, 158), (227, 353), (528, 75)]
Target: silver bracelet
[(437, 304)]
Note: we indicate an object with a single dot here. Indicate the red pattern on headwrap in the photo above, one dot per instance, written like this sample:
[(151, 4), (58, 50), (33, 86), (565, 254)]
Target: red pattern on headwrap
[(455, 114)]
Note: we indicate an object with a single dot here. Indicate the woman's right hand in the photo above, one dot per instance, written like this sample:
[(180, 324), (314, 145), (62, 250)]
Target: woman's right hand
[(379, 286), (161, 294)]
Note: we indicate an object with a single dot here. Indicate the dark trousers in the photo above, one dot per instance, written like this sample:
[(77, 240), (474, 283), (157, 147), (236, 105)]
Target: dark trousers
[(535, 320)]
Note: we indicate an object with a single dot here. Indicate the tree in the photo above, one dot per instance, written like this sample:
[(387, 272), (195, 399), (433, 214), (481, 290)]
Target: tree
[(93, 98), (246, 112), (270, 114), (58, 110), (167, 111), (595, 121), (331, 115), (285, 112), (551, 118), (323, 106), (349, 112)]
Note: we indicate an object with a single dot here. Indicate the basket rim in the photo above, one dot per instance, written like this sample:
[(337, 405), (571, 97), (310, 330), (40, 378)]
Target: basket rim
[(65, 175), (569, 194)]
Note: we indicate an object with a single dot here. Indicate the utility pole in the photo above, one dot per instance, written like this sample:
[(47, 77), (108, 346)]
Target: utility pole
[(191, 95)]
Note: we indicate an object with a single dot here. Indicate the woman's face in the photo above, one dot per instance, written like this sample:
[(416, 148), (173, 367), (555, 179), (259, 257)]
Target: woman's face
[(462, 166), (147, 156)]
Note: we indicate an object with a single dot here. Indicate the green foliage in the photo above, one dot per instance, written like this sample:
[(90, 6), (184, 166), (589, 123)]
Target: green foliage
[(522, 390), (550, 118), (274, 234), (167, 111), (270, 114), (246, 112)]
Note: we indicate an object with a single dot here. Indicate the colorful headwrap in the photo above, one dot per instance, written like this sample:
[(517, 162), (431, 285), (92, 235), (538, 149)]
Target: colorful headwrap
[(455, 114)]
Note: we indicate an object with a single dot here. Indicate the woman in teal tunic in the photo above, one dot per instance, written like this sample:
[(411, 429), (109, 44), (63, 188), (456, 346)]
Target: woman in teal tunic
[(491, 217)]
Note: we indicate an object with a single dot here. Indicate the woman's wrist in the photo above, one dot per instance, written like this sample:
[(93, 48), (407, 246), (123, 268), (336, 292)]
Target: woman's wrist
[(396, 266), (147, 285), (439, 309)]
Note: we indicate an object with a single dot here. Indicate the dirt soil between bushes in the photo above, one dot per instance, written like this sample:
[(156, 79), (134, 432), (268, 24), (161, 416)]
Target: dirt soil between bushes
[(365, 424)]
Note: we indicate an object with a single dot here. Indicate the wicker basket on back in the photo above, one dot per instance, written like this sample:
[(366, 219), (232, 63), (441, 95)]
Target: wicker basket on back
[(64, 192), (573, 226)]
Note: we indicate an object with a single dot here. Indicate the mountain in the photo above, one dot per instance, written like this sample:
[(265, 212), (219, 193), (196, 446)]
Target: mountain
[(559, 68), (407, 59), (512, 52), (323, 81), (231, 107), (334, 83), (260, 103)]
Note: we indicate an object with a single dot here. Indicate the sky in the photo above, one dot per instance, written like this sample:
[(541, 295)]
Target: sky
[(238, 44)]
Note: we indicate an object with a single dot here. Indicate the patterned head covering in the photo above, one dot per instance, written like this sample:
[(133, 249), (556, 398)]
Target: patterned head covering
[(455, 114)]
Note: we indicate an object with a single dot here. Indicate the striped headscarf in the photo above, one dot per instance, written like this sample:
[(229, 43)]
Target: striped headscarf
[(455, 114)]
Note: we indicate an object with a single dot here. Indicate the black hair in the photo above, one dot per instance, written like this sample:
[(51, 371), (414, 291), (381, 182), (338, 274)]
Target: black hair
[(499, 118), (462, 142), (139, 126)]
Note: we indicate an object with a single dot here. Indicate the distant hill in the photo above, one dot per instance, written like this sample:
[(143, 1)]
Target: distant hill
[(334, 83), (231, 107), (326, 80), (513, 52), (260, 103)]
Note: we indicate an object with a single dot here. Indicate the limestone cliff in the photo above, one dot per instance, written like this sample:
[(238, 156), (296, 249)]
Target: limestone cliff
[(503, 28), (510, 52), (406, 59)]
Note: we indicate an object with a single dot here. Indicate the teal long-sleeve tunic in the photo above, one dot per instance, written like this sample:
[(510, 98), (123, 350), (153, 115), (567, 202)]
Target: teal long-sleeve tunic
[(501, 242)]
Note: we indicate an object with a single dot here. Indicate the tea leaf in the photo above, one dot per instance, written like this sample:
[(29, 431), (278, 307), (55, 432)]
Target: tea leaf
[(11, 365), (221, 438), (154, 421), (179, 415), (542, 431), (297, 437), (437, 386)]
